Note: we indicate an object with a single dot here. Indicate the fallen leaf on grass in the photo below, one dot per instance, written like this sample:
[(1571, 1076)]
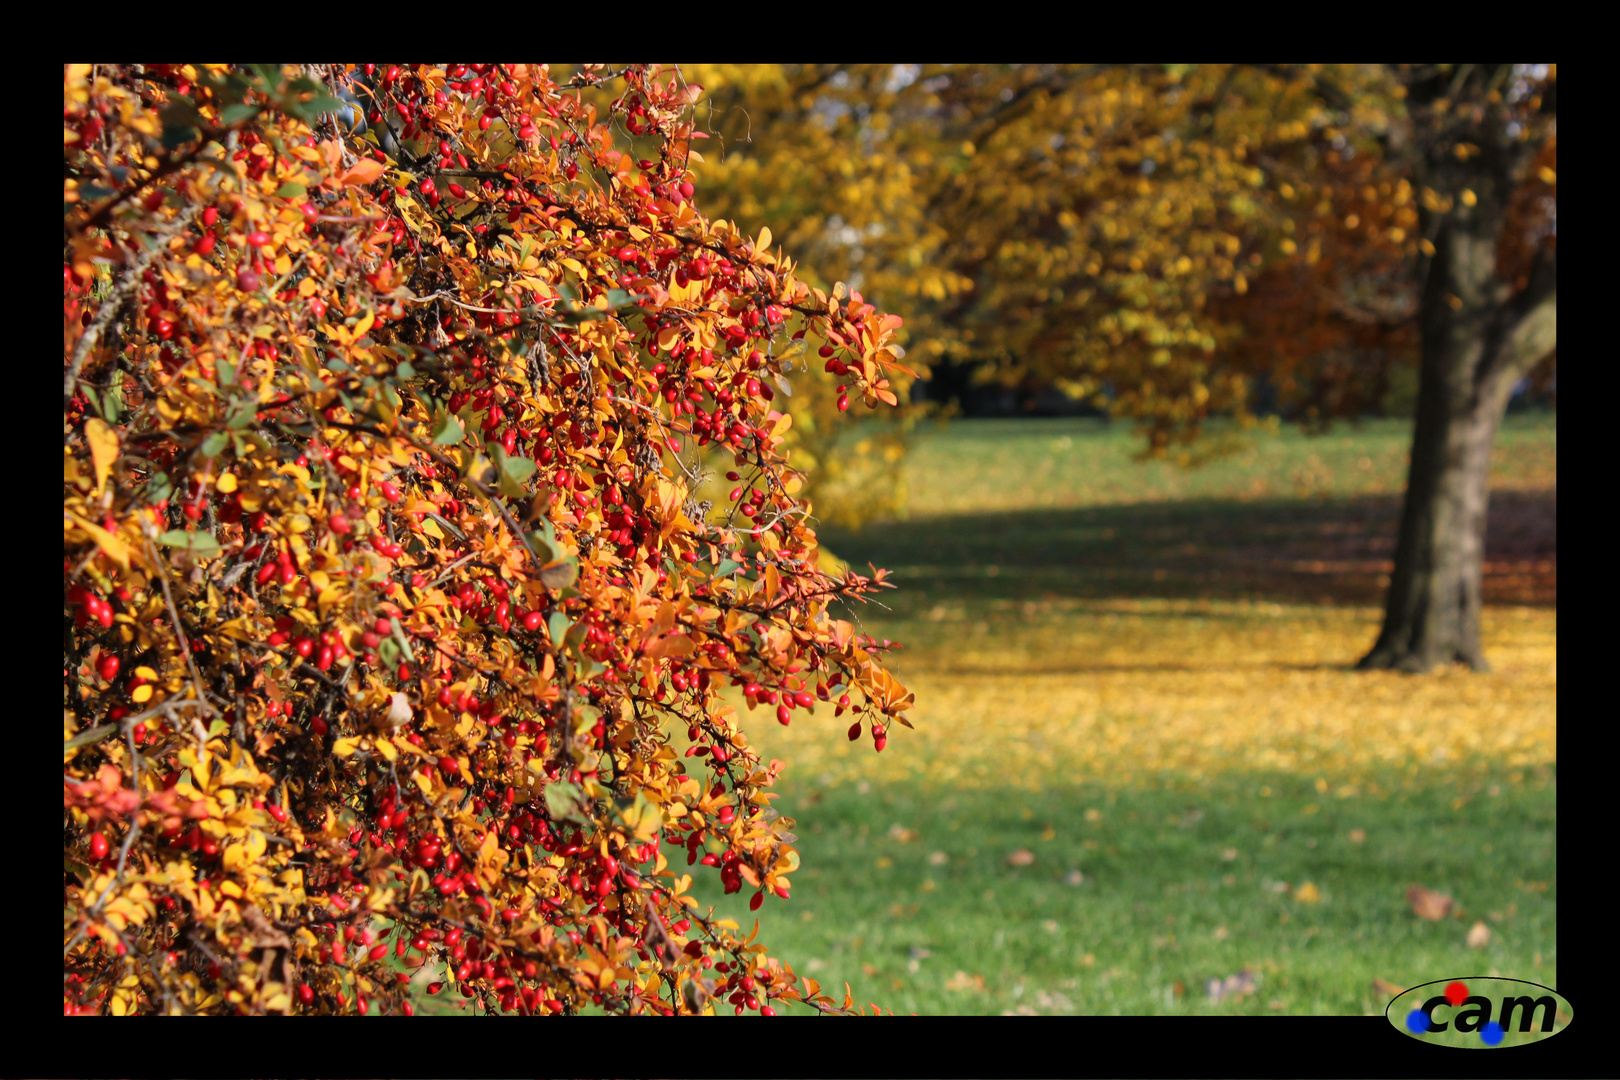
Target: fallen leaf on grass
[(1233, 986), (938, 858), (1021, 857), (963, 981), (1308, 893), (1385, 988), (1479, 935), (1074, 877), (1358, 835), (1428, 904), (902, 834)]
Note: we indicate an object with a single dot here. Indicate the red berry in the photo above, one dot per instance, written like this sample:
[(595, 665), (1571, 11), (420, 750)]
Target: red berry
[(532, 620), (98, 845), (108, 667), (783, 716), (854, 731)]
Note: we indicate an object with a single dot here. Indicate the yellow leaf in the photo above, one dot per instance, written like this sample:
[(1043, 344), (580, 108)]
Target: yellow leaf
[(363, 325), (103, 448), (141, 694), (114, 547), (346, 747), (764, 240), (226, 483)]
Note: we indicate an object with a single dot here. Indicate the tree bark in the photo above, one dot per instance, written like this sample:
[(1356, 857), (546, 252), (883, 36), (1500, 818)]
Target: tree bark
[(1480, 335)]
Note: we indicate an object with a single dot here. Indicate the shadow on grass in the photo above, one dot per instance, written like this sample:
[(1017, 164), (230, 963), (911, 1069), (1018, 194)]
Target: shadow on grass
[(1325, 551)]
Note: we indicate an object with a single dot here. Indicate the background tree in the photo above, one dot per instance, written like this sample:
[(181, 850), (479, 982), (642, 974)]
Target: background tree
[(389, 602), (1163, 237), (1482, 144)]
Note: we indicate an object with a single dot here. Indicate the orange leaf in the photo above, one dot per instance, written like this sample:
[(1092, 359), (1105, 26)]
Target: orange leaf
[(361, 173)]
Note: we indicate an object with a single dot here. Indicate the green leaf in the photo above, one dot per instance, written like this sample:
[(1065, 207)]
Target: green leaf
[(112, 401), (564, 801), (403, 643), (158, 488), (726, 567), (94, 735), (225, 369), (513, 472), (266, 75), (543, 549), (447, 430), (198, 543), (177, 135), (244, 415), (235, 114), (518, 468), (215, 444), (560, 574), (291, 190), (404, 370), (557, 627), (576, 635), (388, 651)]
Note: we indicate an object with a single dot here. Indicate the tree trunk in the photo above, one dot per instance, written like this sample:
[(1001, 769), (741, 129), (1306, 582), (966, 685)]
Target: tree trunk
[(1480, 336), (1433, 608)]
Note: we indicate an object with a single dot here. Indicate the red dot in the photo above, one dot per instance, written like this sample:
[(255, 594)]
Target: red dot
[(1456, 993)]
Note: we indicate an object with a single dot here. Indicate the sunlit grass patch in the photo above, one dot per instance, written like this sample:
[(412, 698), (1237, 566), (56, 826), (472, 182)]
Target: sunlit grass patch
[(1144, 778)]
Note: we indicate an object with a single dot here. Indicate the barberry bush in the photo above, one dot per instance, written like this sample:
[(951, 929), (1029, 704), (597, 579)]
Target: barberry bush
[(397, 639)]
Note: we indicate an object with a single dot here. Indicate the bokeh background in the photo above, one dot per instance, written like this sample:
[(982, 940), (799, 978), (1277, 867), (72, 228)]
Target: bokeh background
[(1172, 313)]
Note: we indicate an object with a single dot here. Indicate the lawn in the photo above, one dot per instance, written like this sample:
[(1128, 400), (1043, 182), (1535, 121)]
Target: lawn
[(1143, 778)]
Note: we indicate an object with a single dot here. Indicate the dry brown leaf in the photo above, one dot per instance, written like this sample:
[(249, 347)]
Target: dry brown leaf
[(1021, 857), (1428, 904), (1385, 988), (1479, 935)]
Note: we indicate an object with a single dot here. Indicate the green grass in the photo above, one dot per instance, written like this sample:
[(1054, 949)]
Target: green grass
[(1138, 673), (1179, 884)]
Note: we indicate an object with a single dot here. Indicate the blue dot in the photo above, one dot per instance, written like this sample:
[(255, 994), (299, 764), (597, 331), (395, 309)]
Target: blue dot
[(1417, 1022), (1491, 1033)]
